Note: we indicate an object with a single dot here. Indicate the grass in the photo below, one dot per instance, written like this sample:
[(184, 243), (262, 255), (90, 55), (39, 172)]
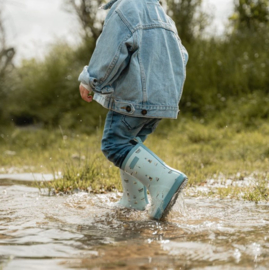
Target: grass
[(202, 151), (255, 191)]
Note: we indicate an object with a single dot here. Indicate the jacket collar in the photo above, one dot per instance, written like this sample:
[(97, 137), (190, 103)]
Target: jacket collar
[(108, 5)]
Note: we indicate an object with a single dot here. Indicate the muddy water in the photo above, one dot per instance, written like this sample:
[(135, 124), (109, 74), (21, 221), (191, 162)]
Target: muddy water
[(85, 231)]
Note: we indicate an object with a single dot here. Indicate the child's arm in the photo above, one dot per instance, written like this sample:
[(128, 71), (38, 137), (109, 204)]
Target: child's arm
[(110, 57)]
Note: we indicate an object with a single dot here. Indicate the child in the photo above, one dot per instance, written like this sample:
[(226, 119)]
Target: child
[(137, 71)]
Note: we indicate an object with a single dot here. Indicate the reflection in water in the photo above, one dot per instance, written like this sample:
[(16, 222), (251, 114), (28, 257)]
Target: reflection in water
[(88, 232)]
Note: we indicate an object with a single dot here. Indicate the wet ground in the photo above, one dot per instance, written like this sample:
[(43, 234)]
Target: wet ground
[(85, 231)]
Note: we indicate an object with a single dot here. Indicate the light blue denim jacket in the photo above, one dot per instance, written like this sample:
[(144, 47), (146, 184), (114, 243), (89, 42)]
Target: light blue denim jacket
[(138, 67)]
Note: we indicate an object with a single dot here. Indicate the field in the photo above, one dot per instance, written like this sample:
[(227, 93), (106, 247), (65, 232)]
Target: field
[(205, 152)]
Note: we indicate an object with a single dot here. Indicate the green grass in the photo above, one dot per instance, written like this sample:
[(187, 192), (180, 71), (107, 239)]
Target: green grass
[(201, 151)]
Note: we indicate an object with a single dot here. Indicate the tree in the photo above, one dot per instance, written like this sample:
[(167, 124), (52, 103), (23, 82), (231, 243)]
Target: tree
[(250, 14), (6, 54), (6, 57), (187, 14), (189, 17), (87, 13)]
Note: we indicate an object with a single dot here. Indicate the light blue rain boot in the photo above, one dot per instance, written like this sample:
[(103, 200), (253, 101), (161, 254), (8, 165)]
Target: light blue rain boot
[(134, 193), (164, 183)]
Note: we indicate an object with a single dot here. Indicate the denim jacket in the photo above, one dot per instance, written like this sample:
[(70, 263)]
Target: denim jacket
[(138, 67)]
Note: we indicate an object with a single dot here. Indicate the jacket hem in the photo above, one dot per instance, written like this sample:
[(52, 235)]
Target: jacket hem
[(137, 110)]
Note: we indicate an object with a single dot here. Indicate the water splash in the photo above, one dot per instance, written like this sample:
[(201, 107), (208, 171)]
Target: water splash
[(84, 230)]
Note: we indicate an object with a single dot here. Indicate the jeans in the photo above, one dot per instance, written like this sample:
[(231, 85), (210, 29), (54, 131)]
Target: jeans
[(120, 130)]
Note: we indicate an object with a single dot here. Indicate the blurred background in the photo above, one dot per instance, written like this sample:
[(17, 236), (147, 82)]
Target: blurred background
[(45, 44)]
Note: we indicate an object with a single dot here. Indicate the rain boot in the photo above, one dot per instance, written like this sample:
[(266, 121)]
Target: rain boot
[(134, 193), (164, 183)]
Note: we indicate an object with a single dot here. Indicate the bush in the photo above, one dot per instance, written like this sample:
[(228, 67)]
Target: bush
[(223, 69), (47, 92)]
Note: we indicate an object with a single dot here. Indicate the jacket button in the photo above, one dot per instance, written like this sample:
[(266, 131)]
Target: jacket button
[(128, 108), (144, 112)]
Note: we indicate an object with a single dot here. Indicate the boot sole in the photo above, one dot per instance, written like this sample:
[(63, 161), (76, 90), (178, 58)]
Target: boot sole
[(161, 215)]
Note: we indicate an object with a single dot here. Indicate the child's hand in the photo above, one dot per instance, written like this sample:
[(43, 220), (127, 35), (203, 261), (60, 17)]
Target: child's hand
[(85, 93)]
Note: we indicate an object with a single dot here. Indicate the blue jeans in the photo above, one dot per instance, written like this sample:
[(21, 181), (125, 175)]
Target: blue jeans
[(120, 130)]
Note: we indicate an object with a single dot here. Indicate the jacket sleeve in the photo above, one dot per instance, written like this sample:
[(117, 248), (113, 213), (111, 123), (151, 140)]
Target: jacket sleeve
[(110, 57)]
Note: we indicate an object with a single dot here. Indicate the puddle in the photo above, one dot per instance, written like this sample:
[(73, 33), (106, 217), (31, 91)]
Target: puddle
[(86, 231), (27, 177)]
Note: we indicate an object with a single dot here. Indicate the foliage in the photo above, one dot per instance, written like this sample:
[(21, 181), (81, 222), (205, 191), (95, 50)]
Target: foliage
[(220, 70), (223, 74), (50, 91), (89, 18), (189, 18), (250, 14)]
